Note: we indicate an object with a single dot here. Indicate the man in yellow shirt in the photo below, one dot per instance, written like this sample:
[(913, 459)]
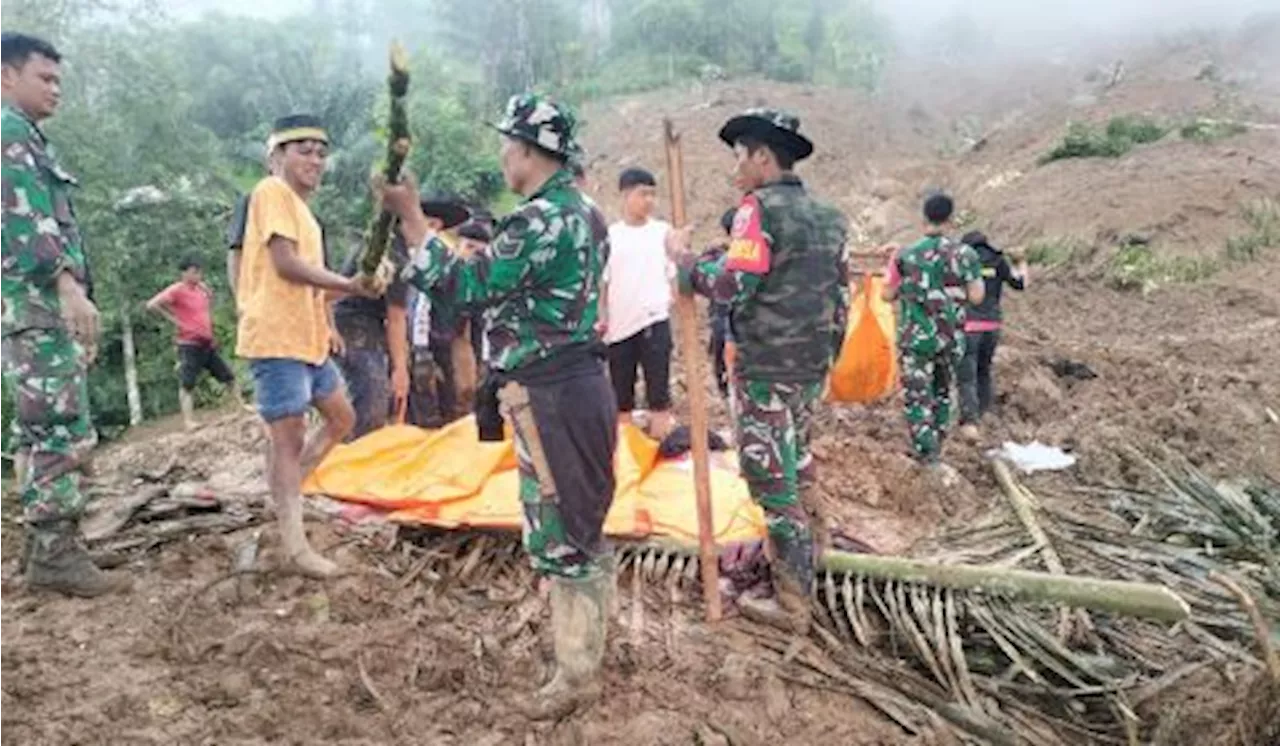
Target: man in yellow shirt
[(282, 294)]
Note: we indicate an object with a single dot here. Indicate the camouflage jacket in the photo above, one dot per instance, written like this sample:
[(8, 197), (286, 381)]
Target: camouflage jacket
[(539, 282), (40, 235), (784, 277), (934, 273)]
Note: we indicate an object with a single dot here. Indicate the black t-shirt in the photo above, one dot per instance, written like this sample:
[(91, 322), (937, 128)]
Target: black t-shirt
[(362, 321), (996, 273)]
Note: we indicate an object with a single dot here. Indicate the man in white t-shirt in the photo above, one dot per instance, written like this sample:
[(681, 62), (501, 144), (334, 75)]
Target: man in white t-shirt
[(637, 303)]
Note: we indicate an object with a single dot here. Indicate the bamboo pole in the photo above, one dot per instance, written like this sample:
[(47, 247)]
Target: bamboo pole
[(687, 316), (1115, 596), (379, 236)]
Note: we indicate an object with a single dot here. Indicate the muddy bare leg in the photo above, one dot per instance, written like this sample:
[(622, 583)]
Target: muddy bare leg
[(284, 473)]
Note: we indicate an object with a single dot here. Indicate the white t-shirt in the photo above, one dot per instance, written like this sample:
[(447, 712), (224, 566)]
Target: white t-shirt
[(639, 278)]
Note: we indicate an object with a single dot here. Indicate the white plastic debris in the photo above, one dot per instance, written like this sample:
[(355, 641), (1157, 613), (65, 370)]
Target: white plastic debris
[(1033, 456)]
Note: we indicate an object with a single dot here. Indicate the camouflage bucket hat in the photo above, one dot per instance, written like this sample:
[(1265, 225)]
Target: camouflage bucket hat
[(542, 122), (774, 127)]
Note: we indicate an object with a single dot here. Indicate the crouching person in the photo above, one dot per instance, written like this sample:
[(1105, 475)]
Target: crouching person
[(540, 284)]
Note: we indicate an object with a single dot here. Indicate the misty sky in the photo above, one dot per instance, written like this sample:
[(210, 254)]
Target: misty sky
[(1008, 21)]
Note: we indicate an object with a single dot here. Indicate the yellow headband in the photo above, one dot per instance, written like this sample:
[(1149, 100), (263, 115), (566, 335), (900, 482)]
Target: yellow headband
[(297, 134)]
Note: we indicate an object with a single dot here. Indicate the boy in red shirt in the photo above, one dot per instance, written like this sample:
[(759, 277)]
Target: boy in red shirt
[(186, 303)]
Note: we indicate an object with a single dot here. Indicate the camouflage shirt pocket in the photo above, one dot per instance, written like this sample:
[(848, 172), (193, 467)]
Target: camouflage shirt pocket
[(62, 184)]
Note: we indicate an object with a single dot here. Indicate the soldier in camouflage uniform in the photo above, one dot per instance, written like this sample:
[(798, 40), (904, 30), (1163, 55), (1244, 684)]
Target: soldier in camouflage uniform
[(50, 326), (540, 287), (932, 279), (785, 281)]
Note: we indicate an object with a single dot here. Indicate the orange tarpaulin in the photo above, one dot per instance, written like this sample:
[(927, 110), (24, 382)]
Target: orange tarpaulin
[(448, 478), (867, 368)]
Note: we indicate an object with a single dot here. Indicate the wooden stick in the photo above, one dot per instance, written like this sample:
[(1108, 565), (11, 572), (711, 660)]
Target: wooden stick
[(694, 370), (1115, 596)]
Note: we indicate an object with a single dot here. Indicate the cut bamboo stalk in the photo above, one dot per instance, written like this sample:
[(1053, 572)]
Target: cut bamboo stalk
[(691, 353), (398, 141), (1115, 596)]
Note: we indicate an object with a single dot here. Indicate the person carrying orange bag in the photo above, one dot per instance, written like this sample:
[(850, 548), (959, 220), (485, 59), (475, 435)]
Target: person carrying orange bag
[(866, 369)]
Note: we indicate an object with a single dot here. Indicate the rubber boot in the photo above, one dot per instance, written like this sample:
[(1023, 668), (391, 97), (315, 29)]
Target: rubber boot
[(578, 627), (788, 609), (299, 555), (59, 562)]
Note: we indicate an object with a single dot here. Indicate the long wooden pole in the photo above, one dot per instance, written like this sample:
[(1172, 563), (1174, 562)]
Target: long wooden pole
[(695, 372)]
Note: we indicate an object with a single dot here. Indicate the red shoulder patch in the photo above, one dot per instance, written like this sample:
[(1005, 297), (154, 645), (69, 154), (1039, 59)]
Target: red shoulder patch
[(748, 247)]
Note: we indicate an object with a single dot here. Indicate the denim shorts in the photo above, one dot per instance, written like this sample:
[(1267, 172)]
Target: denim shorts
[(287, 388)]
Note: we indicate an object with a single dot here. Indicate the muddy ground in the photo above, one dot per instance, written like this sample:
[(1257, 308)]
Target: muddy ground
[(193, 656)]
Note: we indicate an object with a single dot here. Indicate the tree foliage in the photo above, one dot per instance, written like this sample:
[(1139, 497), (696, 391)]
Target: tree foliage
[(163, 120)]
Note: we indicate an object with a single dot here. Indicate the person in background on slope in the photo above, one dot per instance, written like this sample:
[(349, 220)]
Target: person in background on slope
[(540, 286), (637, 301), (784, 277), (50, 325), (283, 295), (932, 279), (187, 304), (982, 326)]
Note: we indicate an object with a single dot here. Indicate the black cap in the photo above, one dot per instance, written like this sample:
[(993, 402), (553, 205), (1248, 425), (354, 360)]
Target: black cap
[(447, 207)]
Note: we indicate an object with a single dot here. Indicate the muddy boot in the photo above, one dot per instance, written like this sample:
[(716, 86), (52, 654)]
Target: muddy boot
[(578, 626), (971, 433), (788, 609), (57, 561), (300, 557)]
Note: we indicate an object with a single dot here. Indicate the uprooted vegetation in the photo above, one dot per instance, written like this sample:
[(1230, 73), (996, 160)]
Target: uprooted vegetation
[(1263, 218), (1054, 251), (1210, 130), (1120, 136), (1138, 266), (1123, 133)]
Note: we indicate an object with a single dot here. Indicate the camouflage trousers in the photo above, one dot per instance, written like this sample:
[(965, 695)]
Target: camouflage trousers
[(565, 435), (773, 431), (46, 367), (926, 385)]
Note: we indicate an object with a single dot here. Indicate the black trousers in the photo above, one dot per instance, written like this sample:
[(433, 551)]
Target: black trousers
[(976, 388), (649, 350)]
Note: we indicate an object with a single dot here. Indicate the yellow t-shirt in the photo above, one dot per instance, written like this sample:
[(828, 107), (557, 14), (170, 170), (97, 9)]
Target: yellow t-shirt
[(279, 318)]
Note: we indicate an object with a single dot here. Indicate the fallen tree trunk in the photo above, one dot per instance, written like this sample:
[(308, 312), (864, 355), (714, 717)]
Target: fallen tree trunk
[(1116, 596)]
